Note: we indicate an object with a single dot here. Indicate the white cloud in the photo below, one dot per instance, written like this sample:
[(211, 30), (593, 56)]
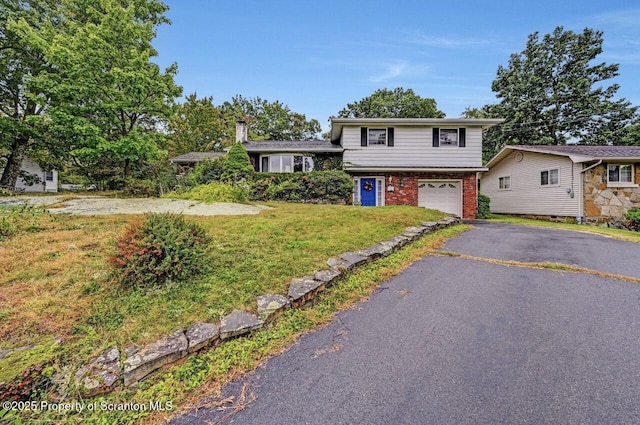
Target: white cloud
[(399, 70), (621, 18), (392, 71), (421, 39)]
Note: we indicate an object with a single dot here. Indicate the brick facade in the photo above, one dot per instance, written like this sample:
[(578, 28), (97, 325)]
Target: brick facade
[(406, 189)]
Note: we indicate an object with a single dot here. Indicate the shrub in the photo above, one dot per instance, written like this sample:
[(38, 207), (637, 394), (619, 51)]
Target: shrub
[(331, 186), (484, 202), (237, 166), (161, 248), (633, 219), (206, 171), (141, 188), (214, 192)]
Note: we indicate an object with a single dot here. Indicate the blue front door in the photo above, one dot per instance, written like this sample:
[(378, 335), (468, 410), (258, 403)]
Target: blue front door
[(368, 192)]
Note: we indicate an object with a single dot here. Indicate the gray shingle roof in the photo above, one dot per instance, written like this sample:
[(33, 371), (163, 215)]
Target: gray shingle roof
[(193, 157), (291, 146), (591, 151)]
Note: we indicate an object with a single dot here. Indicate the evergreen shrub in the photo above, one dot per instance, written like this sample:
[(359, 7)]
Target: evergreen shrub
[(161, 248)]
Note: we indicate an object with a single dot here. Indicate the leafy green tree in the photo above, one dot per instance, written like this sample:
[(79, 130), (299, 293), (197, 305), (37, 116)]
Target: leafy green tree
[(553, 92), (197, 126), (396, 103), (268, 120), (237, 165), (494, 138), (106, 97), (22, 107), (630, 136)]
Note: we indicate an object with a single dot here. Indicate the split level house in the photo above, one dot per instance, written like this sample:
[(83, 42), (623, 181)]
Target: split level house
[(591, 183), (427, 162)]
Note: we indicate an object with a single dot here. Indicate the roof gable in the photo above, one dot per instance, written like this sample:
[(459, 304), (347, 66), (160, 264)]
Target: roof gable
[(577, 153)]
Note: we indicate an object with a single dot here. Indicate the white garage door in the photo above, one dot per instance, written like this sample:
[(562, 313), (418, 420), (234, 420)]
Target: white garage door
[(441, 195)]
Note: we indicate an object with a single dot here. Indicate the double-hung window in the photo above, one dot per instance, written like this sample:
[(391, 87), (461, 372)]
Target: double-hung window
[(376, 136), (550, 177), (619, 174), (504, 183), (449, 137)]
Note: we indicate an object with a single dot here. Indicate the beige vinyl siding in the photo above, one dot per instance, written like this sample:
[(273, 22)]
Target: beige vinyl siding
[(527, 195), (413, 147)]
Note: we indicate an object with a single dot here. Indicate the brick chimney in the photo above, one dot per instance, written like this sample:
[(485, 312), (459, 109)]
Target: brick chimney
[(242, 131)]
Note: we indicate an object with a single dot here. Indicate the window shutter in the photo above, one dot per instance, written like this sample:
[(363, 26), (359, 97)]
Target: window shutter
[(462, 136), (436, 137), (363, 136), (390, 136)]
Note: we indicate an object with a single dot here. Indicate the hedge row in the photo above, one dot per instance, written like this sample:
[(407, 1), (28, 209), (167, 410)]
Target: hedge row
[(331, 186)]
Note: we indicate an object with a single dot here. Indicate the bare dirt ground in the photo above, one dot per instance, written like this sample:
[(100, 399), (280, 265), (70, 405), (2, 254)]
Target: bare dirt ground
[(99, 205)]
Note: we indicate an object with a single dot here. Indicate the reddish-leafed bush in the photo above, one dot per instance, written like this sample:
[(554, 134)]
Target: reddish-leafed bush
[(161, 248)]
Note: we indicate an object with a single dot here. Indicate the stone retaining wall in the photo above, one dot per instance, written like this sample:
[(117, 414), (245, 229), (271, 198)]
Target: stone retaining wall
[(108, 372)]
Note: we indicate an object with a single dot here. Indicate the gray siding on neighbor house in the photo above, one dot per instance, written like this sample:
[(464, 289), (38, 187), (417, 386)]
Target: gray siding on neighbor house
[(413, 147), (527, 195)]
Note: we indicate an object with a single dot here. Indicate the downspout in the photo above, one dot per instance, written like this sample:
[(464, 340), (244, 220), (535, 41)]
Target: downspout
[(591, 166), (581, 217)]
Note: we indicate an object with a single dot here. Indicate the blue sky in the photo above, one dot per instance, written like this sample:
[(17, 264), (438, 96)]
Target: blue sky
[(316, 57)]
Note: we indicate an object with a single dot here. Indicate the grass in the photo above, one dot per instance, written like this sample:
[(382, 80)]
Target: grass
[(540, 265), (56, 283), (624, 235), (204, 374)]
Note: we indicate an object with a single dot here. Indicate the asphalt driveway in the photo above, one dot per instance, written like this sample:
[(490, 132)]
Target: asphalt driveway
[(462, 341), (537, 244)]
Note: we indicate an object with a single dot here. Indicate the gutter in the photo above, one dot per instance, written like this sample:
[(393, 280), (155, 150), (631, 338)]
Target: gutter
[(415, 169), (581, 207), (591, 166)]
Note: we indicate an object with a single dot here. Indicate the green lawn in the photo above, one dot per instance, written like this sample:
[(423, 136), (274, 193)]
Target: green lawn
[(204, 374), (56, 283)]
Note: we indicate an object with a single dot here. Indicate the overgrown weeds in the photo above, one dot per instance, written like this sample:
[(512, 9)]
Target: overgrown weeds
[(56, 283), (205, 373), (22, 218)]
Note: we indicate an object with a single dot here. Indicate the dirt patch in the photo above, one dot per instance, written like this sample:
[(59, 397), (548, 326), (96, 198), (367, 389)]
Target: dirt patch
[(98, 205)]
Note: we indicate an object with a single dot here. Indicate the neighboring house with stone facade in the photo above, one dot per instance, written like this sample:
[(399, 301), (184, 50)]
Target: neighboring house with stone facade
[(594, 183), (427, 162)]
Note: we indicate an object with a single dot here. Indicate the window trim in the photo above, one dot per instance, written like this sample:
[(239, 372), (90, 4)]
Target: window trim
[(548, 171), (457, 130), (504, 179), (461, 132), (621, 183), (389, 137), (292, 156), (386, 136)]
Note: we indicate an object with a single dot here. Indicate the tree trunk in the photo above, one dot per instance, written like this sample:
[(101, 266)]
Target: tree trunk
[(127, 171), (14, 163)]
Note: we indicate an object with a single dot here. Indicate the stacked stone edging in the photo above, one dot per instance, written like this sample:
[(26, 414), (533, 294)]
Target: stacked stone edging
[(102, 373)]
